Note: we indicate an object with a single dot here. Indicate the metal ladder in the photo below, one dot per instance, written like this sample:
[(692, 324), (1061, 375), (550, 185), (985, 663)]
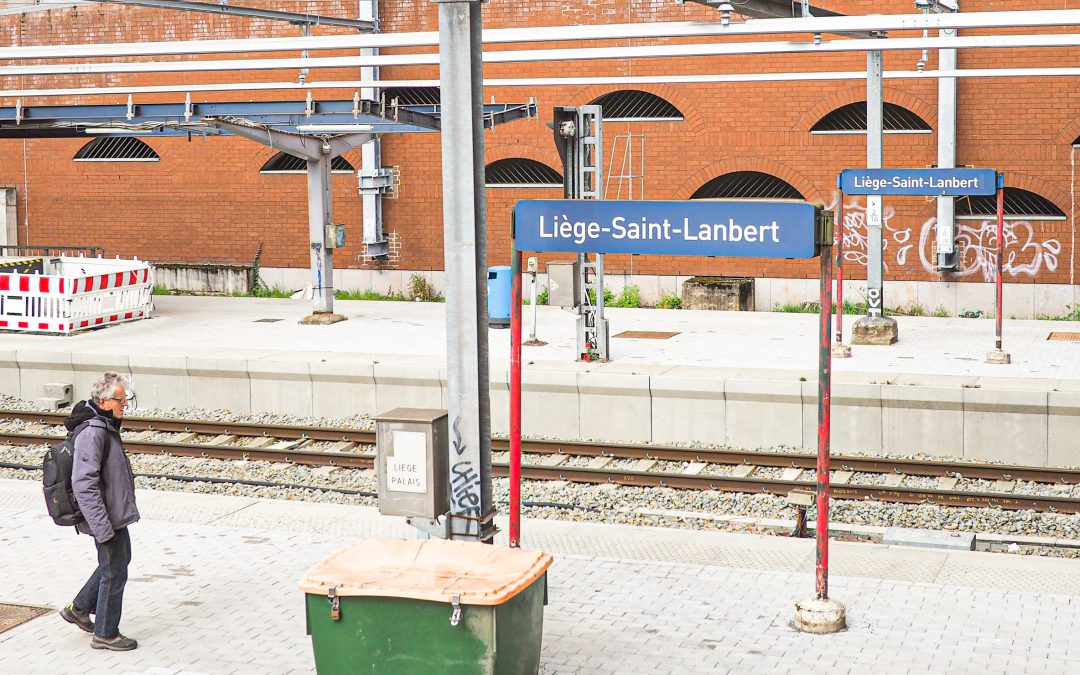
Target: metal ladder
[(592, 328)]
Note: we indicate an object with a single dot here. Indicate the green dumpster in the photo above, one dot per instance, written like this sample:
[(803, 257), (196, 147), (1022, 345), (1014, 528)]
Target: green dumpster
[(427, 606)]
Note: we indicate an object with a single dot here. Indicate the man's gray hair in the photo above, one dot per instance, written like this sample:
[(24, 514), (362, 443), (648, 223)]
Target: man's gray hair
[(106, 385)]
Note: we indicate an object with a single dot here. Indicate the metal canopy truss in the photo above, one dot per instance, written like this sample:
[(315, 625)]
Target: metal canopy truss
[(557, 81), (299, 19), (680, 29), (576, 54), (178, 119)]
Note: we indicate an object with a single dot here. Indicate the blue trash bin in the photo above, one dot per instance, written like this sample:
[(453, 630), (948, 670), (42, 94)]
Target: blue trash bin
[(499, 287)]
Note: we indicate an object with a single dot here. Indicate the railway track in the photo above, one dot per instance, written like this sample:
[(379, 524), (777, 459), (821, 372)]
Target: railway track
[(649, 466)]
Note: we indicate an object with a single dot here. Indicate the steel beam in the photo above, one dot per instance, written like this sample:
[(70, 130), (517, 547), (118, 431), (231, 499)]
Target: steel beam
[(946, 158), (551, 55), (465, 262), (515, 111), (682, 29)]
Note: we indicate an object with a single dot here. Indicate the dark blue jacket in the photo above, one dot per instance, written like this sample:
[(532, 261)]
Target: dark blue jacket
[(105, 490)]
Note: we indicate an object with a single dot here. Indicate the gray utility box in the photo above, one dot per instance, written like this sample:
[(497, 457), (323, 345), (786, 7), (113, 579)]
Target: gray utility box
[(412, 446), (564, 283)]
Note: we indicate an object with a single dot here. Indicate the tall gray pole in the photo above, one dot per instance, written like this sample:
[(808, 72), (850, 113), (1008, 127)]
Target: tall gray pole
[(319, 216), (464, 223), (874, 328), (946, 206)]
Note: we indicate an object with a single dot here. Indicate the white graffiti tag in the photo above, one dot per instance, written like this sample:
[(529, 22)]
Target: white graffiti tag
[(976, 242)]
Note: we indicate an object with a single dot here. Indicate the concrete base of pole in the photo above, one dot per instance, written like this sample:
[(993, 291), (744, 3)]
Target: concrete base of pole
[(841, 351), (817, 615), (322, 319), (534, 343), (998, 356), (875, 330)]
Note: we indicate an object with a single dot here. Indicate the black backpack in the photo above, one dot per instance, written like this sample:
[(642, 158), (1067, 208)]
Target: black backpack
[(56, 477)]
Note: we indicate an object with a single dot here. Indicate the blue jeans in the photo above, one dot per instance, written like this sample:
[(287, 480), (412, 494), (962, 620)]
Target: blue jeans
[(103, 593)]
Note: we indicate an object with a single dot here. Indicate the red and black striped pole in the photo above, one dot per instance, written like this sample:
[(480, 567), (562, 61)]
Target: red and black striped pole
[(824, 411)]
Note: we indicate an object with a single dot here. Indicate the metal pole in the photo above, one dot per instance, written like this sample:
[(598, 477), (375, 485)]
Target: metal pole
[(532, 301), (319, 216), (875, 301), (998, 311), (465, 260), (515, 392), (946, 132), (824, 411), (840, 270)]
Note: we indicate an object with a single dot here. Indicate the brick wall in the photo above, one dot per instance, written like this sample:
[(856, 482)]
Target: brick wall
[(206, 201)]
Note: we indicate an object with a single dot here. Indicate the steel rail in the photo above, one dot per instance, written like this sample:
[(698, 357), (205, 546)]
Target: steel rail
[(642, 30), (884, 465), (846, 491)]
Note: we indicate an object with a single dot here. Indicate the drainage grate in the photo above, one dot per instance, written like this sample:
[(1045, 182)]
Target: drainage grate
[(646, 334), (15, 615), (1064, 337), (268, 320)]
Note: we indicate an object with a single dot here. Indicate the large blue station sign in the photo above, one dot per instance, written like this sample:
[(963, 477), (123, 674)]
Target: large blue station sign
[(923, 182), (743, 229)]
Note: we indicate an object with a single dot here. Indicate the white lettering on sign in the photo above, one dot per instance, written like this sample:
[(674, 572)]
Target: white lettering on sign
[(642, 229), (406, 469)]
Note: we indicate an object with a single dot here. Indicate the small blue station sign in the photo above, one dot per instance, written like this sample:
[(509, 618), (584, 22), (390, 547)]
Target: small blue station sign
[(923, 182), (745, 229)]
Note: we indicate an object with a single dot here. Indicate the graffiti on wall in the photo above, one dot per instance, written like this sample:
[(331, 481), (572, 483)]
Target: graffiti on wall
[(976, 241)]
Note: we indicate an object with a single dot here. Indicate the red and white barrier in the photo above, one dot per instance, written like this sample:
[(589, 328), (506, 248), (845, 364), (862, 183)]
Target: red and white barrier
[(75, 294)]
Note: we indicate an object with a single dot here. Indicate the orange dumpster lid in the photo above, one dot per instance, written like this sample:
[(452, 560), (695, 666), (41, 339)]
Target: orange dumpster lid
[(428, 569)]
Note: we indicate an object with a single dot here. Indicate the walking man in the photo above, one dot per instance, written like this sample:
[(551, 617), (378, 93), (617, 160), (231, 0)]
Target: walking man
[(104, 487)]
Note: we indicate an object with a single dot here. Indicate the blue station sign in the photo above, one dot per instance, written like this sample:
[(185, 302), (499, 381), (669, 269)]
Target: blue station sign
[(923, 182), (740, 229)]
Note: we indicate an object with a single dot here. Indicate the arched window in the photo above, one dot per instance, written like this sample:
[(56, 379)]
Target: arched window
[(411, 95), (851, 119), (116, 149), (519, 172), (285, 163), (631, 105), (747, 185), (1018, 204)]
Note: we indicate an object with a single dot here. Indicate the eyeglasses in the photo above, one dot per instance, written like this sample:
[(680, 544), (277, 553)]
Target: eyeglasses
[(127, 400)]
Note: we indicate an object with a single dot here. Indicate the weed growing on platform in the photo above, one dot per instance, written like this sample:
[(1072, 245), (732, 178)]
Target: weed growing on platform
[(161, 290), (541, 297), (669, 302), (1073, 314), (264, 292), (369, 295), (630, 296), (421, 290), (941, 312), (854, 308)]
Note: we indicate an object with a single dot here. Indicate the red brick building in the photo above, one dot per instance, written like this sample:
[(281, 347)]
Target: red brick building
[(207, 201)]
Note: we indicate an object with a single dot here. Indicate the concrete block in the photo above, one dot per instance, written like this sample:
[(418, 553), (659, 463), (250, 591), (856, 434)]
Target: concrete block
[(549, 403), (955, 541), (38, 368), (1019, 301), (408, 386), (342, 388), (1006, 425), (855, 420), (9, 373), (923, 419), (763, 413), (387, 281), (615, 406), (499, 397), (1053, 299), (686, 409), (160, 380), (1063, 429), (352, 280), (88, 367), (975, 295), (280, 386), (219, 383), (937, 294)]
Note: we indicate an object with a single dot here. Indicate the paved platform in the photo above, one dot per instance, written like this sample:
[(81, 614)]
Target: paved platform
[(213, 590), (740, 378)]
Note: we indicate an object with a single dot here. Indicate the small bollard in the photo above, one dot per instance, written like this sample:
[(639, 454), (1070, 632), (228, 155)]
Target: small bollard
[(801, 499)]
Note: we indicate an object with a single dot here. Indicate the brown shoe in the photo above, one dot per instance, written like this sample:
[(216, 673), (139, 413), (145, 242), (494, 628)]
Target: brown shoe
[(72, 615), (116, 644)]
